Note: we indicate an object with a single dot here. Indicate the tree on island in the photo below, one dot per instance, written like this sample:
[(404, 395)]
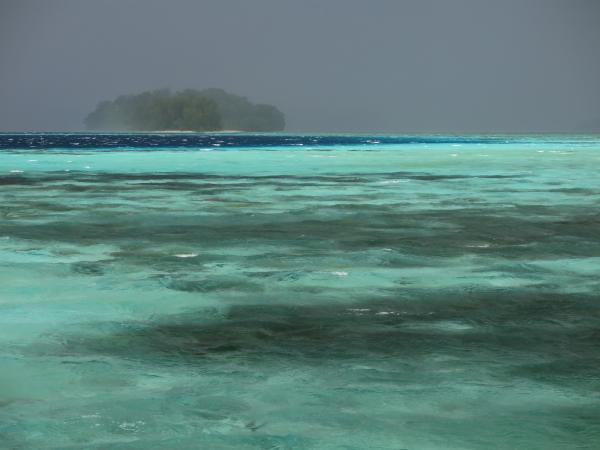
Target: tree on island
[(207, 110), (238, 113)]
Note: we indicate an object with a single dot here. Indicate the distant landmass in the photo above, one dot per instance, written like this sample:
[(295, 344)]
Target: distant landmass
[(189, 109)]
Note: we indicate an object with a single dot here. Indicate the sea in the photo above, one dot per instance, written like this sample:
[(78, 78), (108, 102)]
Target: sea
[(282, 291)]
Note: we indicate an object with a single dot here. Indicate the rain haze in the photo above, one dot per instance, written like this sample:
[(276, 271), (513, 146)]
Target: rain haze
[(337, 65)]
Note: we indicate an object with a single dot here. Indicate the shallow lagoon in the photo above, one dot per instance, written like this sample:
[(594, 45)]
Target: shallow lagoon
[(299, 292)]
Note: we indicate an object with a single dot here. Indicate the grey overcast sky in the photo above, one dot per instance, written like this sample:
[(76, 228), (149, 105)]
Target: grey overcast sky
[(330, 65)]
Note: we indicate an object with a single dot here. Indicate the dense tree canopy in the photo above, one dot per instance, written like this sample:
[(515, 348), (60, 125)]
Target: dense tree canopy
[(238, 113), (207, 110)]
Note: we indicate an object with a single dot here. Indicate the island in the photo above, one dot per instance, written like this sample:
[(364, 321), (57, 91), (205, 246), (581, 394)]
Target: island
[(185, 110)]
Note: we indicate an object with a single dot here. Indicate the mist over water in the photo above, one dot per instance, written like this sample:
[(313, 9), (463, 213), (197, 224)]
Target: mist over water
[(335, 66), (284, 291), (369, 287)]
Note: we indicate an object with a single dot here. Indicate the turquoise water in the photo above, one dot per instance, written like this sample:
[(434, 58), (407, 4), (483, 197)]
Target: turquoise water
[(299, 292)]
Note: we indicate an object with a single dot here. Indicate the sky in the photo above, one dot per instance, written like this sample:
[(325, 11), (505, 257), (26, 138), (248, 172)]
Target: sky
[(445, 66)]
